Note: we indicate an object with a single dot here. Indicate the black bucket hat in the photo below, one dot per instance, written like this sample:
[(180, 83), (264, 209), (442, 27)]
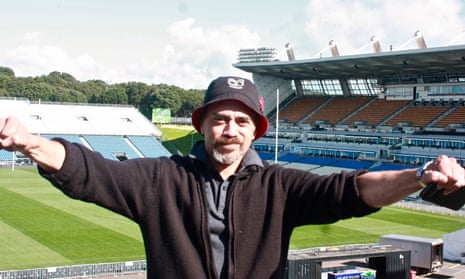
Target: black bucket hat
[(233, 89)]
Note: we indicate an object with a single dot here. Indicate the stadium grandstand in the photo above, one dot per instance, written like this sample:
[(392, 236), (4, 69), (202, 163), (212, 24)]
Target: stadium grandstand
[(117, 132), (377, 110)]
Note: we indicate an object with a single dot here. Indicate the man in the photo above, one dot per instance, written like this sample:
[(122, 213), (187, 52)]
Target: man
[(220, 212)]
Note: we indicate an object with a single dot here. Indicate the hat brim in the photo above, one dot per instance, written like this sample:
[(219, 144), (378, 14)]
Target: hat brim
[(261, 123)]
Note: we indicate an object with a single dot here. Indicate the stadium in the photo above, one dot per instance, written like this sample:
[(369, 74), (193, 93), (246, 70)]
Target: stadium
[(402, 107), (378, 111), (115, 131)]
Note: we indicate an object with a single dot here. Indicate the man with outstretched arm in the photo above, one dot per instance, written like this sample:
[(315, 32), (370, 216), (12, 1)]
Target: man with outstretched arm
[(220, 212)]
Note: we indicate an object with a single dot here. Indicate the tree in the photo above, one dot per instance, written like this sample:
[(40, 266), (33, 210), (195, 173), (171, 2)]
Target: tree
[(93, 89), (136, 92), (114, 95), (63, 87), (62, 94), (36, 91), (190, 99), (6, 72)]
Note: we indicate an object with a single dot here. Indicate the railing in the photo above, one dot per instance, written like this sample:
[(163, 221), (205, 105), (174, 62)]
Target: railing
[(75, 271), (388, 261)]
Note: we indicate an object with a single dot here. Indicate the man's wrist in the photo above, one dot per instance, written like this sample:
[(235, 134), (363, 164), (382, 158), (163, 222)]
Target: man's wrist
[(421, 171)]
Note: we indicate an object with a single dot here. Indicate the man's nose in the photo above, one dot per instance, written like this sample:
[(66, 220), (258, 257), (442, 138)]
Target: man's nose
[(230, 129)]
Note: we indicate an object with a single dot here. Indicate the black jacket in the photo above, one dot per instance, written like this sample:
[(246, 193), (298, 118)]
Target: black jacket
[(166, 197)]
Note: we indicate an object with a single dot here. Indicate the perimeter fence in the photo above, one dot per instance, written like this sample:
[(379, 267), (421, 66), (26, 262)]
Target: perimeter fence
[(77, 271)]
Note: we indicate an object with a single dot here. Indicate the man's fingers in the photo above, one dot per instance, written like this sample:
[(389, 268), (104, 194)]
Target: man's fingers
[(10, 136), (447, 173), (433, 176), (2, 126)]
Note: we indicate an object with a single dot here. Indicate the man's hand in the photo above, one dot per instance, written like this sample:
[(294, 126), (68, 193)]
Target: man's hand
[(446, 172), (14, 136)]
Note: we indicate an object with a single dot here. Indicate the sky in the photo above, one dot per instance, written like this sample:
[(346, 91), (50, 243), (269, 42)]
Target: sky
[(189, 43)]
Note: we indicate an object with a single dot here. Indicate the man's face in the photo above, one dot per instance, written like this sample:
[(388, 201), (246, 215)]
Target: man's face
[(229, 129)]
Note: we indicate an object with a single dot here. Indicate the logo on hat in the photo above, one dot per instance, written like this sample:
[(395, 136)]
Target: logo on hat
[(262, 103), (236, 83)]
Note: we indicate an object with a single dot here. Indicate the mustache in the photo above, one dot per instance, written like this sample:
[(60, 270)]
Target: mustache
[(227, 141)]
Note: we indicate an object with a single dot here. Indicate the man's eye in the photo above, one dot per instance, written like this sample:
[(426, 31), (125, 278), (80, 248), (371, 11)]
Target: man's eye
[(244, 121), (219, 119)]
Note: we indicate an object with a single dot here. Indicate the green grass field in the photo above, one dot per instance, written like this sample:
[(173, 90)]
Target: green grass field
[(41, 227), (179, 139), (368, 229)]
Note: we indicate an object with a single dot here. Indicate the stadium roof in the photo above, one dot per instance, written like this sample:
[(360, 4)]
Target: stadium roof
[(438, 60)]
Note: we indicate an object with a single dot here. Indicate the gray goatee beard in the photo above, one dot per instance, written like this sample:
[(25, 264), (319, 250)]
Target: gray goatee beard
[(226, 159)]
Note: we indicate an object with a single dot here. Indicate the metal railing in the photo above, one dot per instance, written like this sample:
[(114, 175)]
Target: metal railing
[(75, 271)]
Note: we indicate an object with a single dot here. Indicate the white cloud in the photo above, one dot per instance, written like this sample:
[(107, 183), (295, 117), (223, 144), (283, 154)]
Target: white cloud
[(191, 57), (32, 58), (195, 55), (394, 22)]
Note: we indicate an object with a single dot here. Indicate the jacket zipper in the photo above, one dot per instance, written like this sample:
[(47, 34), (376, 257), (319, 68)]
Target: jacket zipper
[(231, 229), (230, 248), (204, 230)]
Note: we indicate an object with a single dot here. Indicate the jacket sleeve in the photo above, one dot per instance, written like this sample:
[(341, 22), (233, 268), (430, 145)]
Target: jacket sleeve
[(123, 187), (322, 199)]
